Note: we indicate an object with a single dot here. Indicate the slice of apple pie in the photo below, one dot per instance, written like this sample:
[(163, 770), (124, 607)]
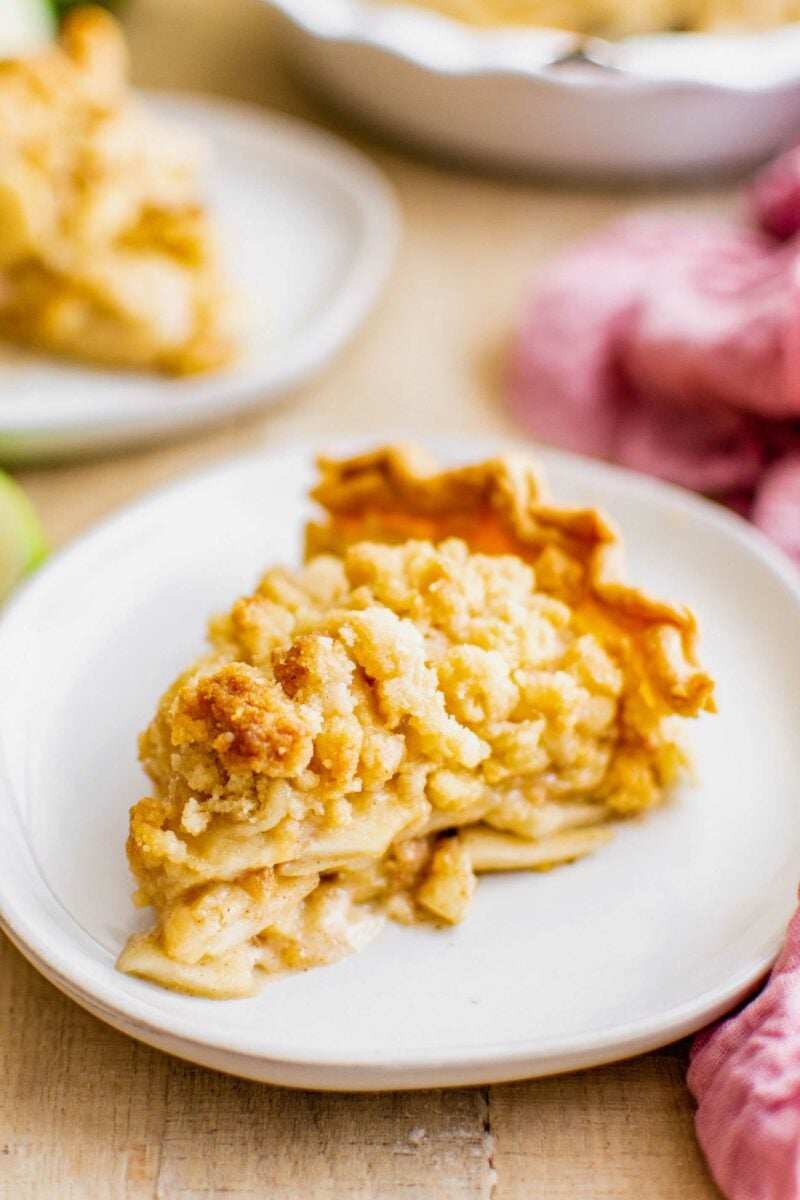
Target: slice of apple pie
[(458, 680), (107, 253)]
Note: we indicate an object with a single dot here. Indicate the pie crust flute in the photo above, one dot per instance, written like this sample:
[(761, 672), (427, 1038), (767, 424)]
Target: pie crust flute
[(458, 680)]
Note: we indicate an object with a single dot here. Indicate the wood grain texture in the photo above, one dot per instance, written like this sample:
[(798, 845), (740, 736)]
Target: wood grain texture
[(557, 1138), (87, 1114)]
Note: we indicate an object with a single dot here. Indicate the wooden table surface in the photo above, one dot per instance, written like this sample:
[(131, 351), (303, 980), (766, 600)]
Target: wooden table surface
[(87, 1114)]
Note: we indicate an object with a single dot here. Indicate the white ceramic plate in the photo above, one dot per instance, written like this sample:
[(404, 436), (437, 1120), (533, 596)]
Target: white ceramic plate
[(655, 935), (666, 104), (309, 229)]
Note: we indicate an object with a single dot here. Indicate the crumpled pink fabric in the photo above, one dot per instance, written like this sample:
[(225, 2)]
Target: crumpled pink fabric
[(745, 1076), (777, 503), (672, 345), (775, 196)]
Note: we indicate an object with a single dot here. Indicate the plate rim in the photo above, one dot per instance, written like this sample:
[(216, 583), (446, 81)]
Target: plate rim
[(435, 42), (224, 396), (71, 968)]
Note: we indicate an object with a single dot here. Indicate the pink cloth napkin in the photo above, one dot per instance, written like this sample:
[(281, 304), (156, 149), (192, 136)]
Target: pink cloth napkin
[(672, 345), (745, 1076)]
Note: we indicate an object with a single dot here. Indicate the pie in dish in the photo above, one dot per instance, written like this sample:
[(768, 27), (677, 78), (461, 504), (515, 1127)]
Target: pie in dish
[(106, 252), (458, 680), (621, 18)]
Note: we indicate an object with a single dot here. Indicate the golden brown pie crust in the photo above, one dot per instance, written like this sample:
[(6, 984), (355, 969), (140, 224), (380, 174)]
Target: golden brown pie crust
[(502, 506)]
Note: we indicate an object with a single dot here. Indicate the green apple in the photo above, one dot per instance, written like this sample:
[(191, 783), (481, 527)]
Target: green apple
[(22, 542)]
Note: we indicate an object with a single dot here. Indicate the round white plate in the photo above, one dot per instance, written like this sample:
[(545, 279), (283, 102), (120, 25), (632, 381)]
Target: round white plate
[(646, 941), (309, 229), (671, 103)]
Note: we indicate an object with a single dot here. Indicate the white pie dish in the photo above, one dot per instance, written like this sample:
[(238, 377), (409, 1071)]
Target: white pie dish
[(309, 230), (657, 934), (666, 104)]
